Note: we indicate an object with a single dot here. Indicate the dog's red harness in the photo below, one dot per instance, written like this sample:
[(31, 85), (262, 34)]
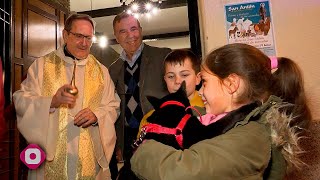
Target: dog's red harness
[(177, 132)]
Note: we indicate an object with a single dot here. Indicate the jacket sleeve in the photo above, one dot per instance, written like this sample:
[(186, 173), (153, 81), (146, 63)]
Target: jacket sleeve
[(243, 152)]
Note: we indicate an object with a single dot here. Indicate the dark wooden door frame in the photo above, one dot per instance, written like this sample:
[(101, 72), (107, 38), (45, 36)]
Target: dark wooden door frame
[(194, 27)]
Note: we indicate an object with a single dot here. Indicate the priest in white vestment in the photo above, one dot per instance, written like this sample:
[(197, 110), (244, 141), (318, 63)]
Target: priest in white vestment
[(76, 131)]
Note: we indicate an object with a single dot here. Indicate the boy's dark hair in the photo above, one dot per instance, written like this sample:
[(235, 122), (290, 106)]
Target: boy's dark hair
[(121, 16), (179, 56), (73, 17), (255, 69)]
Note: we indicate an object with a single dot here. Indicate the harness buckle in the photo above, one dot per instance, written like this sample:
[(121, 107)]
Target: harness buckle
[(178, 132), (137, 142)]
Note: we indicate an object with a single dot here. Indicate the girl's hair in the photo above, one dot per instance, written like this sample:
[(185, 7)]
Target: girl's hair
[(255, 69), (179, 56), (288, 84)]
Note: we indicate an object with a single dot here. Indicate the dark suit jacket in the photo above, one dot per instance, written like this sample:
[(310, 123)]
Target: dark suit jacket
[(151, 83)]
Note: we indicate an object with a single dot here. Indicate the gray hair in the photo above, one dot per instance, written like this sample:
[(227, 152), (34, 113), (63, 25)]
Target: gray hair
[(121, 16), (73, 17)]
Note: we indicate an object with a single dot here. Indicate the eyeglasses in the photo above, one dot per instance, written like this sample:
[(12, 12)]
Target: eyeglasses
[(80, 37)]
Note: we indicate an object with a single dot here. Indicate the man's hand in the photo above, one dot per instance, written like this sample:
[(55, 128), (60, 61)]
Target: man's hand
[(85, 118), (63, 97)]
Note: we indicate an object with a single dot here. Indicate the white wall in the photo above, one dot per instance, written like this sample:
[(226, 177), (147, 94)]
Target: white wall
[(297, 36)]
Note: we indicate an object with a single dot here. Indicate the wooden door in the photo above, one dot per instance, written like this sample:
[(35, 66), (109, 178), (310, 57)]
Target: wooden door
[(37, 31)]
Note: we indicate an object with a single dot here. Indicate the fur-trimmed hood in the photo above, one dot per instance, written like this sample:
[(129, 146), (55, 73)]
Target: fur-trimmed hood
[(284, 137)]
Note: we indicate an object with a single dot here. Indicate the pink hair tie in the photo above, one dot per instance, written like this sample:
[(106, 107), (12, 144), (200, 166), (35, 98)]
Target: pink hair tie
[(274, 62)]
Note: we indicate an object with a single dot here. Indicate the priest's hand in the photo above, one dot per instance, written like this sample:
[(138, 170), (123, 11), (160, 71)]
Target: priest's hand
[(63, 97), (85, 118)]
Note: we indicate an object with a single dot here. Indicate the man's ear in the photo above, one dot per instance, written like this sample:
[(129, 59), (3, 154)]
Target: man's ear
[(65, 35), (114, 33), (232, 83)]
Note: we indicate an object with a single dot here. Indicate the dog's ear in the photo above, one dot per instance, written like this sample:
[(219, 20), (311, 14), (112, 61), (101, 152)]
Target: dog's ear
[(183, 89), (155, 102)]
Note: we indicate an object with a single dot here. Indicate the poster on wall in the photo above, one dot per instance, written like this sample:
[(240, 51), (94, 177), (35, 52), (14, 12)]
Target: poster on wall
[(251, 23)]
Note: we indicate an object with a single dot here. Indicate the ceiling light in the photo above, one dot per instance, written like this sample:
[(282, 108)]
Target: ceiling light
[(103, 41), (94, 39), (139, 8), (100, 39)]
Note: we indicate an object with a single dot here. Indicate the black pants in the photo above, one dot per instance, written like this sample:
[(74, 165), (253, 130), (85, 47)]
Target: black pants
[(113, 165), (130, 135)]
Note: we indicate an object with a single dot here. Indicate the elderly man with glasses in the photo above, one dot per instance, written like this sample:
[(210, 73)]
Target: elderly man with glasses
[(72, 122)]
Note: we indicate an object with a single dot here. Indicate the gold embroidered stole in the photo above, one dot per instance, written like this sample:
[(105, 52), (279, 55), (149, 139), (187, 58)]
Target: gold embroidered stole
[(53, 78), (93, 91)]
